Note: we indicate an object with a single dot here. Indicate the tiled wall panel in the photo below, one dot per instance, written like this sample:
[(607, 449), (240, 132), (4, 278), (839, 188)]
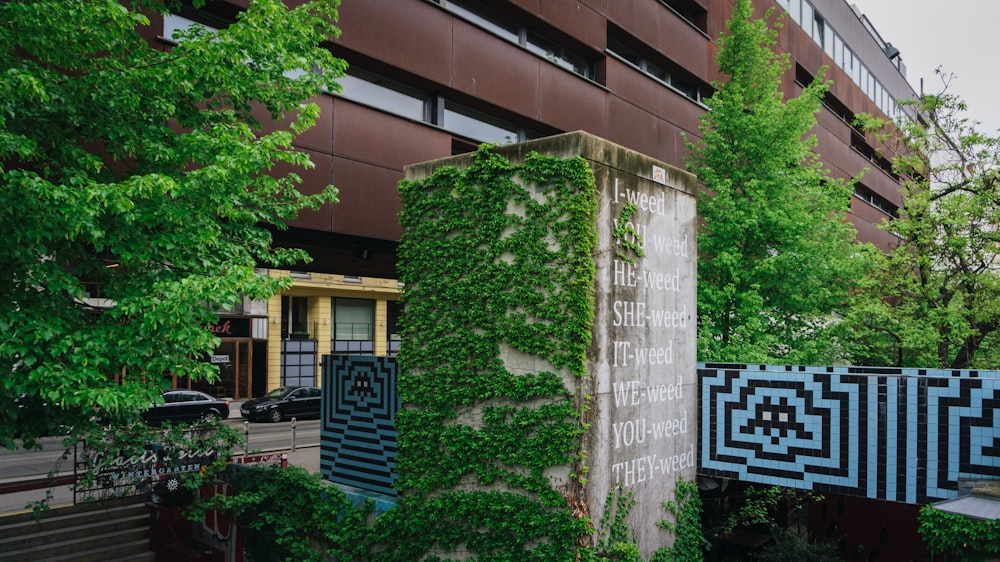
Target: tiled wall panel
[(896, 434), (357, 433)]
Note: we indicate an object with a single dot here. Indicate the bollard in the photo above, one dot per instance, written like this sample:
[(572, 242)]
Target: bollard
[(293, 435), (246, 437)]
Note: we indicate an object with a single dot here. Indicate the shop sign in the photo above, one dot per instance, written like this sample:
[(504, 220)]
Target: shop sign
[(218, 359), (128, 474), (231, 328)]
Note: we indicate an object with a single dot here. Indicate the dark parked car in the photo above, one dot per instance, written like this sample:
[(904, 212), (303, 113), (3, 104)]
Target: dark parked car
[(282, 403), (183, 406)]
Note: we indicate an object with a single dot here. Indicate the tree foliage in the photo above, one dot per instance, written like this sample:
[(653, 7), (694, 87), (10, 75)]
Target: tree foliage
[(934, 300), (142, 171), (775, 252)]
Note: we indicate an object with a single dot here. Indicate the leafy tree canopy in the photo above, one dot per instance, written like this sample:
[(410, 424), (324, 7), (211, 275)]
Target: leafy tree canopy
[(934, 300), (141, 171), (776, 254)]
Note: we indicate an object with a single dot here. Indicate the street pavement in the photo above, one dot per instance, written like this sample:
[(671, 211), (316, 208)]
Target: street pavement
[(305, 456)]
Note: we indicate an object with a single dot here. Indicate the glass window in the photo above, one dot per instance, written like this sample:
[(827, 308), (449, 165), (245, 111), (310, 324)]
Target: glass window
[(828, 35), (657, 71), (688, 89), (478, 126), (384, 94), (695, 14), (174, 23), (353, 326), (485, 18), (623, 51), (353, 319), (559, 55), (838, 50), (506, 28), (807, 20), (795, 11), (687, 86), (298, 363), (294, 317)]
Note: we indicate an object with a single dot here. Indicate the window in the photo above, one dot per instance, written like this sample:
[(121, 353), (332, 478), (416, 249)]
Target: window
[(559, 55), (831, 42), (808, 19), (876, 200), (796, 10), (477, 125), (298, 363), (213, 16), (692, 12), (353, 326), (294, 317), (838, 50), (819, 30), (385, 94), (859, 144), (803, 78), (174, 23), (670, 75), (374, 90), (473, 12), (483, 15)]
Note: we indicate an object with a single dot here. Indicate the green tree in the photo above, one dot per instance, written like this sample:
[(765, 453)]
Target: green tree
[(141, 171), (934, 300), (776, 254)]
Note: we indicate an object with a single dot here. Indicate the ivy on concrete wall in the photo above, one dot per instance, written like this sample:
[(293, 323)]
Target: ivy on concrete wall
[(497, 261), (685, 525)]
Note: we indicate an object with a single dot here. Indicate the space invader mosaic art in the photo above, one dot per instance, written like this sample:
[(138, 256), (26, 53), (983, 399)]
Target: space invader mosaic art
[(896, 434), (358, 436)]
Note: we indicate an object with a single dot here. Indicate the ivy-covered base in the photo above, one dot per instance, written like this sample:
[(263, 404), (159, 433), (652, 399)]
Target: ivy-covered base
[(497, 261)]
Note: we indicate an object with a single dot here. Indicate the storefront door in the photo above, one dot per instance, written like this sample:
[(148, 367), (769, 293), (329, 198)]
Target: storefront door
[(233, 358)]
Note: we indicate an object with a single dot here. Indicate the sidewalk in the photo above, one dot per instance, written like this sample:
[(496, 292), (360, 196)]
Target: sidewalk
[(15, 502)]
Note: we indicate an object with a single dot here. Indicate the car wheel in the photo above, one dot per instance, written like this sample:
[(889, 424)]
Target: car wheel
[(275, 415), (210, 416)]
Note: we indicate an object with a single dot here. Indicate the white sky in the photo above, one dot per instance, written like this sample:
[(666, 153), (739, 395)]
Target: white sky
[(960, 36)]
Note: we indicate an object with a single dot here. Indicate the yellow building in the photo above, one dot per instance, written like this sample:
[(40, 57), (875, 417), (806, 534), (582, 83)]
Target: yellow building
[(324, 313), (281, 342)]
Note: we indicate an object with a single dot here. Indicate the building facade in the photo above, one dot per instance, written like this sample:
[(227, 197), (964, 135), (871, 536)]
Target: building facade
[(433, 78)]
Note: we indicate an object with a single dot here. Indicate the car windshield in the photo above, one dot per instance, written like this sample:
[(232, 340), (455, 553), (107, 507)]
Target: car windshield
[(278, 392)]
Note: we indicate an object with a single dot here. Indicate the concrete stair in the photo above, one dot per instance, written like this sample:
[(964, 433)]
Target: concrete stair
[(109, 531)]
